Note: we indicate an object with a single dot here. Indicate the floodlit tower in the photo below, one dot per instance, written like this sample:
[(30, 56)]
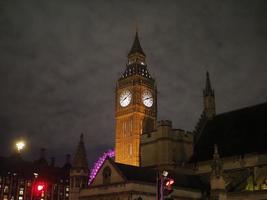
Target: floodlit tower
[(136, 106), (209, 99)]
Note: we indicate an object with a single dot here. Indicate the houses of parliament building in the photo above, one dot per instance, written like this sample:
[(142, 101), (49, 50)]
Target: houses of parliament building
[(224, 157)]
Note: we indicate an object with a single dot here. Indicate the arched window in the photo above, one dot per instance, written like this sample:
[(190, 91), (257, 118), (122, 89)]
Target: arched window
[(106, 175)]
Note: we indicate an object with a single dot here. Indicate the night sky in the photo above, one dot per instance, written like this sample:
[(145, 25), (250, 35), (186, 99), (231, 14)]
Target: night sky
[(59, 62)]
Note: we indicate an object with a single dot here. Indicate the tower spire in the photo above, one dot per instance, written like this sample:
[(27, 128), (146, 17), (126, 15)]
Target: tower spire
[(208, 90), (80, 159), (136, 26), (136, 47), (79, 170), (209, 99)]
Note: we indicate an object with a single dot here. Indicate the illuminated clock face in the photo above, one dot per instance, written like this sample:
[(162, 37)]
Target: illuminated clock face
[(125, 98), (147, 98)]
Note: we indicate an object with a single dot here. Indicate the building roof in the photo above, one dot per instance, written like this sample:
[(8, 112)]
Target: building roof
[(17, 166), (149, 175), (136, 47), (236, 133)]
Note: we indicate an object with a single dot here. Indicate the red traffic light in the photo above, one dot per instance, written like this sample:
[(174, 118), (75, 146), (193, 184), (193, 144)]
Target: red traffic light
[(40, 187), (167, 189), (169, 182)]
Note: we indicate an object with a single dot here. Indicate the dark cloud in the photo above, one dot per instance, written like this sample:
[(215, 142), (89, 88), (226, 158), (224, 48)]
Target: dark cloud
[(59, 62)]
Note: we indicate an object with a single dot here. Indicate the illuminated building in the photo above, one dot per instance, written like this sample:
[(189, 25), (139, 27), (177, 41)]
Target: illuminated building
[(224, 157), (136, 106), (24, 180)]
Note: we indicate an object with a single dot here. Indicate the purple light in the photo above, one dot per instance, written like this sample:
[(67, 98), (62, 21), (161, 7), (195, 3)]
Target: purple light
[(98, 164)]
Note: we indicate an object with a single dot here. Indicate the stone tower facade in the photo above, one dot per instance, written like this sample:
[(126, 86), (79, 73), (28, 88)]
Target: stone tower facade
[(209, 99), (166, 148), (136, 106), (79, 171)]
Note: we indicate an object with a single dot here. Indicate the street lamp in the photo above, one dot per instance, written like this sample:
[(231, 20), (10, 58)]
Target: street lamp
[(20, 145)]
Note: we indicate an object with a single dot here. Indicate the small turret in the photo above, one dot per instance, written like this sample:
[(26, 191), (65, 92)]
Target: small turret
[(79, 171), (80, 159), (67, 164), (209, 99), (216, 164), (217, 182), (42, 159)]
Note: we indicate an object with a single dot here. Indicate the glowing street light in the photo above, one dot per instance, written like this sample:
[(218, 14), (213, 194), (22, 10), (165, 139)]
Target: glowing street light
[(20, 145)]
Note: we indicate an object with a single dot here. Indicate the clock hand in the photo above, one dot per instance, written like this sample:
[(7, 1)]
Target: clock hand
[(148, 98), (126, 97)]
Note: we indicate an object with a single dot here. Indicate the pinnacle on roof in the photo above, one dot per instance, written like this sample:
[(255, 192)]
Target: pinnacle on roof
[(216, 164), (136, 47), (216, 153), (80, 159), (208, 91), (208, 84), (67, 164), (42, 159)]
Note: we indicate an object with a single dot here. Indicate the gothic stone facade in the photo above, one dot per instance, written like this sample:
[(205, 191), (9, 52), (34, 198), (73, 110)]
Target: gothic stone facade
[(224, 158), (117, 181)]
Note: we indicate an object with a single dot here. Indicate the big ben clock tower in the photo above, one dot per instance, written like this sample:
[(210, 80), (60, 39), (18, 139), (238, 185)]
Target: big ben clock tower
[(136, 106)]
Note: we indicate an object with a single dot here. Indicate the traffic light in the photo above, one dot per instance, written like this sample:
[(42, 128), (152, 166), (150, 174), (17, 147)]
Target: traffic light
[(39, 190), (164, 186), (167, 186), (40, 187)]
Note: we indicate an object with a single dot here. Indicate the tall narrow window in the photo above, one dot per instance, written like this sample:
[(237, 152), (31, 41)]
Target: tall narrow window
[(131, 126), (141, 126), (124, 129), (130, 149)]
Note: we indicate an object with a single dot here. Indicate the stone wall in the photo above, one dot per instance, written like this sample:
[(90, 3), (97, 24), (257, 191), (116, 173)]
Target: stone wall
[(166, 146)]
